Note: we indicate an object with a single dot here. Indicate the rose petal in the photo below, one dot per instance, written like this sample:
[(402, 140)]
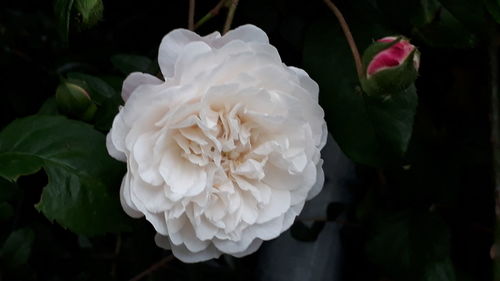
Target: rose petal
[(162, 241), (183, 177), (277, 206), (320, 180), (126, 201), (186, 236), (171, 47), (113, 151), (245, 33), (134, 80), (252, 248), (182, 253)]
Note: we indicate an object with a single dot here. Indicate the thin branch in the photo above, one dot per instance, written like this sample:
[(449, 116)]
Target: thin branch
[(230, 16), (348, 36), (152, 268), (114, 265), (495, 115), (191, 15), (495, 141), (215, 11)]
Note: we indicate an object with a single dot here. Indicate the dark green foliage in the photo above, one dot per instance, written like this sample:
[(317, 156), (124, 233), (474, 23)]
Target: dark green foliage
[(79, 171), (16, 249), (371, 130), (131, 63), (411, 246)]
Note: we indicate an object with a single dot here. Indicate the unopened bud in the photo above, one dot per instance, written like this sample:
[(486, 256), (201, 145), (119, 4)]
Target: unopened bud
[(72, 100), (391, 66)]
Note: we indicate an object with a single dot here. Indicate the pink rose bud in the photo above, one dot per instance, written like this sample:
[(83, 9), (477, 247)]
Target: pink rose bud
[(391, 66)]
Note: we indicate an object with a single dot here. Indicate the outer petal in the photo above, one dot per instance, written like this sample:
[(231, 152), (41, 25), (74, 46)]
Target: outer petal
[(136, 79), (162, 241), (115, 153), (171, 47), (149, 198), (245, 33), (320, 180), (125, 199), (115, 140), (306, 82), (182, 253), (252, 248)]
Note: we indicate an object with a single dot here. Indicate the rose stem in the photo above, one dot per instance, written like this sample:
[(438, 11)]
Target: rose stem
[(348, 36), (152, 268), (230, 16), (114, 265), (191, 15), (215, 11)]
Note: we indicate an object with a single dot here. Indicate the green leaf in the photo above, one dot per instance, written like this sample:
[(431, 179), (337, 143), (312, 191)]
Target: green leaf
[(82, 193), (470, 13), (398, 12), (371, 130), (131, 63), (392, 120), (493, 7), (62, 10), (410, 13), (428, 9), (440, 271), (443, 23), (8, 190), (49, 107), (16, 164), (6, 211), (446, 31), (409, 245), (90, 10), (17, 248)]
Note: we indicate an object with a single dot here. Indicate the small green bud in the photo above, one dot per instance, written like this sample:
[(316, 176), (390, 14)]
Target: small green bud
[(72, 100)]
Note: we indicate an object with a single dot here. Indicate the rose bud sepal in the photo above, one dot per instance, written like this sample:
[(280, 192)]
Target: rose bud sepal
[(386, 73), (74, 101)]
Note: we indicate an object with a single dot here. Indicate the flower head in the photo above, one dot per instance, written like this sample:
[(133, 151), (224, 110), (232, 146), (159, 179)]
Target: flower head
[(222, 154)]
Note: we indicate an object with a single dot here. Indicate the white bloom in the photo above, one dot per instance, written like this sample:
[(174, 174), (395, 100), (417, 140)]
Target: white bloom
[(222, 154)]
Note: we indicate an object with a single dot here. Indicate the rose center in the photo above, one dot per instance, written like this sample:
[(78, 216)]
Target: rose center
[(225, 145)]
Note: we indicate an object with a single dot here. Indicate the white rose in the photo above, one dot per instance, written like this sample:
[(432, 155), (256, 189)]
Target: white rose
[(222, 154)]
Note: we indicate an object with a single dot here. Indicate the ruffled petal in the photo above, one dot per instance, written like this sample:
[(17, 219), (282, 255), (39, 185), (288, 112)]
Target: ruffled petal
[(171, 47), (320, 180), (181, 252), (134, 80), (113, 151), (245, 33), (126, 201)]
